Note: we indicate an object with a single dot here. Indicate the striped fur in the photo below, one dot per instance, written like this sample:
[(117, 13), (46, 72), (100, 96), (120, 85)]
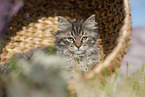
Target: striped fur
[(77, 40)]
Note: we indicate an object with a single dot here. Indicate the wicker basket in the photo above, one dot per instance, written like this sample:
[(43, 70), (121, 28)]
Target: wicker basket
[(33, 26)]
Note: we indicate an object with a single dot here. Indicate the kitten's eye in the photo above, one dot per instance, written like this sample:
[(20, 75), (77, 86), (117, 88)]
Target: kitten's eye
[(84, 38), (70, 39)]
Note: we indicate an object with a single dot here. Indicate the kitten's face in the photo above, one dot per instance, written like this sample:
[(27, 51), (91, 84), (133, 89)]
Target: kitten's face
[(77, 37)]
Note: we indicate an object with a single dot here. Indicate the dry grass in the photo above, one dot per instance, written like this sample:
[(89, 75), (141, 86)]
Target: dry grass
[(45, 78)]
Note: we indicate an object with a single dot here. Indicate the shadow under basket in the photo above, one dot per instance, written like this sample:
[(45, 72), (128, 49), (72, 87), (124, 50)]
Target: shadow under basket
[(34, 24)]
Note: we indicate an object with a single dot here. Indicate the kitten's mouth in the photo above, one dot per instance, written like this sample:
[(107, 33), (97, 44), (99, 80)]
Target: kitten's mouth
[(77, 52)]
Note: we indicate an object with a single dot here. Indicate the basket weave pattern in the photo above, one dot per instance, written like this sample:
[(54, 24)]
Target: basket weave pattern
[(33, 25)]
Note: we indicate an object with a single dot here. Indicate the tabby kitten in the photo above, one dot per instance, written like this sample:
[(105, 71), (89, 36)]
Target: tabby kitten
[(77, 42)]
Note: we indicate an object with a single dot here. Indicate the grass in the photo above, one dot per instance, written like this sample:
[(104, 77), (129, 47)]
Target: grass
[(48, 79), (118, 85)]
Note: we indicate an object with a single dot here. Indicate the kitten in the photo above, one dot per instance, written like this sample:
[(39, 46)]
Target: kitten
[(77, 42)]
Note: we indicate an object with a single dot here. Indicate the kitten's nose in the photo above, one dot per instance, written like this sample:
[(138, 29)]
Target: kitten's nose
[(78, 44), (78, 47)]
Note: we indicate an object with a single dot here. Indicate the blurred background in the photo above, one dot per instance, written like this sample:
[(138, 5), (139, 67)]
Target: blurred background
[(136, 51)]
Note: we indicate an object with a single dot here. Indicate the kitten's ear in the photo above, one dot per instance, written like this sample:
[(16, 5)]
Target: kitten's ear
[(90, 23), (63, 24)]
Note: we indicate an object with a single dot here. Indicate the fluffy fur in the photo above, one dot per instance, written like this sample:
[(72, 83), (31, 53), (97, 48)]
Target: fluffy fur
[(77, 42)]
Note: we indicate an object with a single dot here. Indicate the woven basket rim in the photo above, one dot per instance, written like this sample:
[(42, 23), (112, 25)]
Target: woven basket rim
[(125, 36)]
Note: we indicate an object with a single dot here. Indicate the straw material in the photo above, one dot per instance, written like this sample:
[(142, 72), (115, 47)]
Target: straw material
[(33, 26), (33, 36), (114, 59)]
